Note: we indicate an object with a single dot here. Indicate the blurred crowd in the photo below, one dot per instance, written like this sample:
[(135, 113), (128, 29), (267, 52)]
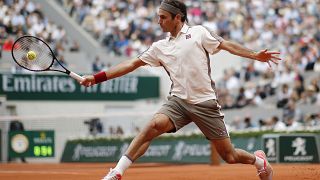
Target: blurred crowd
[(128, 27), (292, 119)]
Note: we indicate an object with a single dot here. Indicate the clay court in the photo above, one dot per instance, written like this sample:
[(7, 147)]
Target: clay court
[(94, 171)]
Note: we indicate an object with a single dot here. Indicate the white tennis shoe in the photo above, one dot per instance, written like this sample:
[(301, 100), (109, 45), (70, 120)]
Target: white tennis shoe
[(113, 175), (266, 172)]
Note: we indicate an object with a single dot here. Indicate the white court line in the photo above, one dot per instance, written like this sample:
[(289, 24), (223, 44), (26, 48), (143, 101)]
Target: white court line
[(39, 172)]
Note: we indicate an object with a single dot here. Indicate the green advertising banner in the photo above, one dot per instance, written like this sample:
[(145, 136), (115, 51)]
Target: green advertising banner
[(161, 150), (299, 148), (169, 150), (291, 148), (31, 144), (61, 87)]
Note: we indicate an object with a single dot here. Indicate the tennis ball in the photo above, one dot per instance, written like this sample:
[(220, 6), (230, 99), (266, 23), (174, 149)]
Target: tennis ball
[(31, 55)]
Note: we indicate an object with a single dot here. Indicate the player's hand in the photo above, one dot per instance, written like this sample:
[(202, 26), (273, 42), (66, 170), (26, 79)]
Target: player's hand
[(267, 56), (88, 80)]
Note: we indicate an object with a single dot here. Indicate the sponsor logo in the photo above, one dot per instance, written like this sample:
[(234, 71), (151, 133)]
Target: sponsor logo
[(81, 151), (300, 152), (182, 149), (300, 145), (271, 147), (158, 151)]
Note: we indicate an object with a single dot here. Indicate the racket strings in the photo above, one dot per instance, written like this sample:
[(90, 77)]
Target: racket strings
[(43, 59)]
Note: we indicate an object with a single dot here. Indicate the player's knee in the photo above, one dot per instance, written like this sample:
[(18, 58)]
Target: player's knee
[(152, 126), (150, 131), (159, 124)]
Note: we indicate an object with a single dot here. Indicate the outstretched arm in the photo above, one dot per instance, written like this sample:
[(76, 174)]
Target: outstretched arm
[(121, 69), (239, 50)]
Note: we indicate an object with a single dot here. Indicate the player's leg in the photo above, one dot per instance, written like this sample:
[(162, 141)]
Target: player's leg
[(158, 125), (232, 156), (209, 118), (170, 118)]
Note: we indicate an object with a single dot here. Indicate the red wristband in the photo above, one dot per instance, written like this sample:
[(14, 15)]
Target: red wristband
[(100, 77)]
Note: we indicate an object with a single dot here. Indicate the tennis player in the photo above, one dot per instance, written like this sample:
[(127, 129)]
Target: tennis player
[(184, 54)]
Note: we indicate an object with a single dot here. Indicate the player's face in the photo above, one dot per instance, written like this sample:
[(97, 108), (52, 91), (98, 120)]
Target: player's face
[(166, 22)]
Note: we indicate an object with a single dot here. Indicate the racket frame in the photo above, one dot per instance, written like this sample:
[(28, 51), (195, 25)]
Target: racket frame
[(54, 59)]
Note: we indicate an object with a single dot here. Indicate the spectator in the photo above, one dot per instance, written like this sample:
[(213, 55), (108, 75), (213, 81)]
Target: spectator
[(316, 66), (292, 124), (8, 44), (298, 87), (3, 36), (309, 96), (232, 81), (119, 131), (291, 114), (247, 123), (315, 84), (95, 126), (277, 124), (97, 65), (241, 100), (312, 120), (75, 46), (262, 124), (283, 96)]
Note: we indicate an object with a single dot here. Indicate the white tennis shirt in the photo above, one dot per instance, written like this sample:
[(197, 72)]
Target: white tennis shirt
[(186, 60)]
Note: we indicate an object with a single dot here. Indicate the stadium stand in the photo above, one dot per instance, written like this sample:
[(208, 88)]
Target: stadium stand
[(121, 26)]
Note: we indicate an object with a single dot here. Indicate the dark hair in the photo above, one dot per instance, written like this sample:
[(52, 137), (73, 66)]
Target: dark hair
[(180, 5)]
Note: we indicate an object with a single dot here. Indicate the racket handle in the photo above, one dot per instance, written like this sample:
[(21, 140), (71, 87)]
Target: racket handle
[(76, 76)]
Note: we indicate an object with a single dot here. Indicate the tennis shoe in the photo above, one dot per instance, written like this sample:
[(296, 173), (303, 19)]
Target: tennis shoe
[(266, 172), (113, 175)]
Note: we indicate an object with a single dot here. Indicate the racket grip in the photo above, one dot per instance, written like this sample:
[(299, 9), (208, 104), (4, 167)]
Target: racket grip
[(76, 76)]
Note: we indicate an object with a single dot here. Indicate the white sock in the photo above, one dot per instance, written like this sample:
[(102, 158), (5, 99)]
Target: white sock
[(123, 164), (259, 163)]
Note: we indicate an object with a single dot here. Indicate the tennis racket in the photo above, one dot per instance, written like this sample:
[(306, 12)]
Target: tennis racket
[(34, 54)]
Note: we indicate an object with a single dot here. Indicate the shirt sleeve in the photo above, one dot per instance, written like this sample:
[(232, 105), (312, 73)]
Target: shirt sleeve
[(211, 41), (150, 56)]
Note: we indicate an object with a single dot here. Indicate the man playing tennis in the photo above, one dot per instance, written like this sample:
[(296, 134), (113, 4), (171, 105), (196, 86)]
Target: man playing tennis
[(185, 56)]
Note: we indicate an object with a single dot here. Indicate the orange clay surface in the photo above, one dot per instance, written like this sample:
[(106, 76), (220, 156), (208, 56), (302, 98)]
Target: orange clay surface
[(95, 171)]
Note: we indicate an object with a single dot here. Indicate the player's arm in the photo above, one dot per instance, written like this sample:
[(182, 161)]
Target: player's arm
[(121, 69), (239, 50)]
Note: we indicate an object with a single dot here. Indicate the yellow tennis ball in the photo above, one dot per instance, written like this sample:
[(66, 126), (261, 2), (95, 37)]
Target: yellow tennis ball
[(31, 55)]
